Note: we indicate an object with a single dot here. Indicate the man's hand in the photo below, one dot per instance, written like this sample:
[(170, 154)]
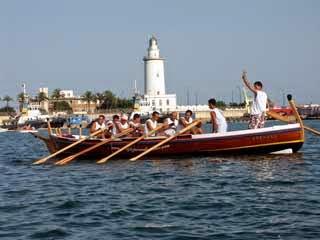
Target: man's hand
[(244, 75)]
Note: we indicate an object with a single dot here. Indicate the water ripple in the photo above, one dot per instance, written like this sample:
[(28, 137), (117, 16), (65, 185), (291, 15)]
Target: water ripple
[(235, 197)]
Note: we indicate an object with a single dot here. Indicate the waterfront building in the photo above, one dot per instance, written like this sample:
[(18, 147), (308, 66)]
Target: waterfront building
[(67, 94)]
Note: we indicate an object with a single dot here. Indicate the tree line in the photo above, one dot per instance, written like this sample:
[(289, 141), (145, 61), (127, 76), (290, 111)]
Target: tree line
[(105, 100)]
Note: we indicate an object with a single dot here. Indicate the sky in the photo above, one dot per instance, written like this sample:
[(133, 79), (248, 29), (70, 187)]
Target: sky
[(99, 45)]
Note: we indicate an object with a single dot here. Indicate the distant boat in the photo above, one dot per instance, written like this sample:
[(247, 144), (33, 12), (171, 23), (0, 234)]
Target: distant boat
[(27, 131), (31, 113)]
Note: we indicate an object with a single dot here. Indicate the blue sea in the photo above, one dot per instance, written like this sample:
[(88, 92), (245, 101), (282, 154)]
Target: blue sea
[(235, 197)]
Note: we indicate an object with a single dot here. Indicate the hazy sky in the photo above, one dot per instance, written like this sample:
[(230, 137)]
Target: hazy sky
[(99, 45)]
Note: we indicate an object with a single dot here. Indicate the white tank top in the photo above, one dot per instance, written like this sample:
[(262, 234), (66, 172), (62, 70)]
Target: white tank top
[(180, 126), (99, 126), (136, 125), (173, 128), (259, 104), (153, 125), (124, 126), (221, 121), (175, 123)]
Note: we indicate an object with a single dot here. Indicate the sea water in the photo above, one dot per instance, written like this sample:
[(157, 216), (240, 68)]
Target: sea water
[(235, 197)]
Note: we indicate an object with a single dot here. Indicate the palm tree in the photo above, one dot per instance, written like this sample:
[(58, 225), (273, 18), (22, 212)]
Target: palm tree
[(109, 99), (7, 99), (99, 97), (42, 97), (56, 93), (88, 96), (21, 97)]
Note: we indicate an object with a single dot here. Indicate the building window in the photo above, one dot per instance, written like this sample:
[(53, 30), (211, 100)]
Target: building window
[(158, 93), (153, 102), (168, 102), (160, 102)]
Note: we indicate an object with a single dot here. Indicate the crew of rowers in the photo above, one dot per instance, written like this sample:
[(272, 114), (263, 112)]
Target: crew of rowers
[(171, 125)]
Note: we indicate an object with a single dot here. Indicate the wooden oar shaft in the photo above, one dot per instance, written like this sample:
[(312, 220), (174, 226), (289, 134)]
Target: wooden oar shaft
[(72, 157), (285, 119), (166, 140), (312, 130), (49, 127), (103, 160), (67, 147), (295, 112)]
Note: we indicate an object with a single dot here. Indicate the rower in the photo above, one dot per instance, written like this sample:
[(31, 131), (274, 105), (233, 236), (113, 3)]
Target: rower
[(122, 124), (172, 124), (115, 120), (98, 124), (219, 123), (151, 123), (187, 120), (135, 123)]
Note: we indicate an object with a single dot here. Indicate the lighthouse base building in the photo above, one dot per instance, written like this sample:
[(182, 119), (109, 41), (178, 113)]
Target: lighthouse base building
[(154, 97)]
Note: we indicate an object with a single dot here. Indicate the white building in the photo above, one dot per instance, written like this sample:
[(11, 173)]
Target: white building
[(67, 93), (155, 97)]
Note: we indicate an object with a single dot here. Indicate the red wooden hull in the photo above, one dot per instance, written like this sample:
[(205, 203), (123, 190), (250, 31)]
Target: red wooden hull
[(258, 141)]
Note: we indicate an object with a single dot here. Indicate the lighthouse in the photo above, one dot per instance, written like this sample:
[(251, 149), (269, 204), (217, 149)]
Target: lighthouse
[(155, 97), (154, 70)]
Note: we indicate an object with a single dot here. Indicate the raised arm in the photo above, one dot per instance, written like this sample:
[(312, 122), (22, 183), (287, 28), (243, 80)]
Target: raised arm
[(247, 83)]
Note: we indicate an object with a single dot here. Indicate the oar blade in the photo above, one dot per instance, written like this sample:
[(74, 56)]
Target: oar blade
[(65, 160)]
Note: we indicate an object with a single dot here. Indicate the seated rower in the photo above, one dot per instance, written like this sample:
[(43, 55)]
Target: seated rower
[(100, 123), (171, 124), (115, 120), (151, 123), (135, 123), (187, 120), (122, 124), (219, 123)]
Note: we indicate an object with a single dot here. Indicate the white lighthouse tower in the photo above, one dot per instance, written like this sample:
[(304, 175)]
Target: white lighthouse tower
[(155, 97), (154, 70)]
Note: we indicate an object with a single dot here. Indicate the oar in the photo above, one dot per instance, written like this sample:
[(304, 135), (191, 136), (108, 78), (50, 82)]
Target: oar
[(285, 119), (68, 147), (72, 157), (103, 160), (166, 140)]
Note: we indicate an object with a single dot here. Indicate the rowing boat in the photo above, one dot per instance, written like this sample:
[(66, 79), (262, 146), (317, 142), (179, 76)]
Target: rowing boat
[(250, 141)]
